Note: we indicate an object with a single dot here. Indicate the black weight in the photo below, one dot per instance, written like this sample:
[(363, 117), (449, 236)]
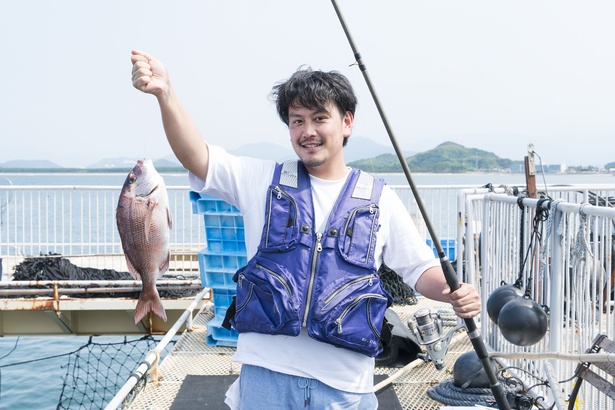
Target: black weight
[(523, 322), (499, 298)]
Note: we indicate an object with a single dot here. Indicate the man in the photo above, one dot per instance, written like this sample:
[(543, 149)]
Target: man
[(309, 304)]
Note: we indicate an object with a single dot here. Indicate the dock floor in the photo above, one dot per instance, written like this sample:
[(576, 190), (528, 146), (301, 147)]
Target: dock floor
[(192, 355)]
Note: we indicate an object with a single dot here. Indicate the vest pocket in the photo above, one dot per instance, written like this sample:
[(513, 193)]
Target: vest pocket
[(280, 231), (358, 236), (266, 301), (355, 324)]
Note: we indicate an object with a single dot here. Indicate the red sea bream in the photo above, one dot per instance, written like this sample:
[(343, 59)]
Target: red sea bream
[(144, 221)]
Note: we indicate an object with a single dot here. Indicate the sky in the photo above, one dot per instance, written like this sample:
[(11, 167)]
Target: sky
[(486, 74)]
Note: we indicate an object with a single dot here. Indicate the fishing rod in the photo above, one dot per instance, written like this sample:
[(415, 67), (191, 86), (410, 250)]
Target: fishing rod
[(449, 272)]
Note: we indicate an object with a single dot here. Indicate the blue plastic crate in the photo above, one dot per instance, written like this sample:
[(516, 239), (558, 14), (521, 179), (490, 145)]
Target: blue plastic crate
[(219, 336), (224, 227), (218, 279), (223, 239), (203, 203), (216, 334), (223, 297), (448, 246), (215, 220), (225, 261), (220, 313), (217, 268), (226, 246)]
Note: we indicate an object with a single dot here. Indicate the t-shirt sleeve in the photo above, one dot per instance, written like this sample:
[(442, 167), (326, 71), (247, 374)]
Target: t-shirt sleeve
[(236, 180), (405, 251)]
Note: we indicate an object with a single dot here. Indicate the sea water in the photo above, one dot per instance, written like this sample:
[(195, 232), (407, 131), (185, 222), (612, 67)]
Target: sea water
[(33, 368), (27, 382)]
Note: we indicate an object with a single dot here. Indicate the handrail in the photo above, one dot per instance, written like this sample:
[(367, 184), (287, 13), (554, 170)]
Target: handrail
[(81, 187), (154, 355), (32, 288), (22, 283)]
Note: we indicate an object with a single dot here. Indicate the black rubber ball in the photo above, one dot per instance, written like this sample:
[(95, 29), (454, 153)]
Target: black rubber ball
[(523, 322), (499, 298), (469, 372)]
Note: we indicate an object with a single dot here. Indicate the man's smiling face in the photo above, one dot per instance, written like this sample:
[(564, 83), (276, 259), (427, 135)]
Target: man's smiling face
[(318, 136)]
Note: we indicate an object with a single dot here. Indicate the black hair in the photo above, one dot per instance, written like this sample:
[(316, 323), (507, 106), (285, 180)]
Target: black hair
[(314, 89)]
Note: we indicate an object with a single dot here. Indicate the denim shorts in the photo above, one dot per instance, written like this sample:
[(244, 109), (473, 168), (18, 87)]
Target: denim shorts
[(260, 388)]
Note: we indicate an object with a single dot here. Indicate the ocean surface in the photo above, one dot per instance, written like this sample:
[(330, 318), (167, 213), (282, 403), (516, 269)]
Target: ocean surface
[(179, 179), (33, 369)]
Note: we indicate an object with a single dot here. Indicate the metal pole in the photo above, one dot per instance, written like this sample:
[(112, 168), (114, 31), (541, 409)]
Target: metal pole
[(449, 272)]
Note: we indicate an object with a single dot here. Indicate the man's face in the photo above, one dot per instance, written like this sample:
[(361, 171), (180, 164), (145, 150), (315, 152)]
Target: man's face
[(318, 136)]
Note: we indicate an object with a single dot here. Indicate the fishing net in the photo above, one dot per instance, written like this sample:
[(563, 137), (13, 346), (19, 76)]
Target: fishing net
[(55, 267), (393, 283), (94, 372)]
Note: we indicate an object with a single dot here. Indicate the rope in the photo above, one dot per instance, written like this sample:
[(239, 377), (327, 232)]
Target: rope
[(446, 392), (581, 245), (542, 215), (545, 244)]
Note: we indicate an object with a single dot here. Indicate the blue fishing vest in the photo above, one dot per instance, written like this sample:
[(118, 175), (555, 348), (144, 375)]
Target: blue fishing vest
[(326, 281)]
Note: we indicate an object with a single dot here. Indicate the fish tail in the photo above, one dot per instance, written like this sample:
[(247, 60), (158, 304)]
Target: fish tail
[(149, 302)]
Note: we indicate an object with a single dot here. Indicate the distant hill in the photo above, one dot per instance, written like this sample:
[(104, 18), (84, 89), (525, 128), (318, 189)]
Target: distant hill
[(357, 148), (121, 164), (362, 148), (30, 164), (127, 163), (453, 157), (360, 152), (165, 163), (111, 163), (448, 157), (380, 163)]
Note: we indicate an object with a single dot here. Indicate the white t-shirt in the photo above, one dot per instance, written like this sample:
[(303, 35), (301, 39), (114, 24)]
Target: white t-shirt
[(243, 182)]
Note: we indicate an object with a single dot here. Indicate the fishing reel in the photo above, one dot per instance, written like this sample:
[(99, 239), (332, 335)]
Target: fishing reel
[(427, 330)]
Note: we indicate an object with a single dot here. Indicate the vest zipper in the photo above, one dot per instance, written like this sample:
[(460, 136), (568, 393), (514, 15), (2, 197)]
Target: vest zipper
[(371, 277), (279, 194), (308, 299), (277, 277), (355, 302), (351, 217), (372, 235)]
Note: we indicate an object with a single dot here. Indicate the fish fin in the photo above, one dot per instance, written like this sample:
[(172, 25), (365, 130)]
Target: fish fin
[(169, 218), (149, 302), (151, 207)]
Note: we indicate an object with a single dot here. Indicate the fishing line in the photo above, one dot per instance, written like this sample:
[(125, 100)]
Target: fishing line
[(13, 349), (6, 355), (449, 272)]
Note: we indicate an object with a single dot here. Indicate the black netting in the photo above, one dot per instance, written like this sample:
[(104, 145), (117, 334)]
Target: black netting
[(96, 371), (394, 284), (54, 267)]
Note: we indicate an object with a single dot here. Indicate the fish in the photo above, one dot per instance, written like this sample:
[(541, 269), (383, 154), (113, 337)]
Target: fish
[(144, 222)]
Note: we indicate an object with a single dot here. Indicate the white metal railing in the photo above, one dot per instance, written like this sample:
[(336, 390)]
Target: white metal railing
[(79, 221), (569, 269), (469, 210)]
